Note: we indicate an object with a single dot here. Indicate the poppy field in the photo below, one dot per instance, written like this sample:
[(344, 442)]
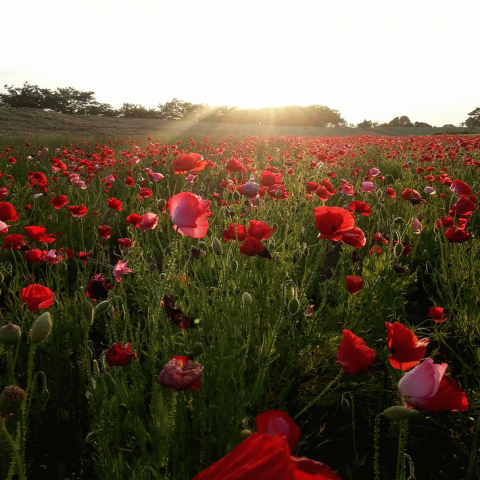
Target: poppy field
[(231, 308)]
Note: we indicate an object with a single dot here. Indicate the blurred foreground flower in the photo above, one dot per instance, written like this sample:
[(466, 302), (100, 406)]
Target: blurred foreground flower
[(118, 355), (427, 387), (181, 373)]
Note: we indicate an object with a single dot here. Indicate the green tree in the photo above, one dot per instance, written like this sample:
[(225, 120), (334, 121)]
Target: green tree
[(473, 119), (403, 121), (421, 124), (367, 124)]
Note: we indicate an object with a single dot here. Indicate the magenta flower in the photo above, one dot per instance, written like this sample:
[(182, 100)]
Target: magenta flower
[(149, 222)]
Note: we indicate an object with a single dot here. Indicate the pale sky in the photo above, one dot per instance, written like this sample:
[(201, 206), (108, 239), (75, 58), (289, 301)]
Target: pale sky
[(368, 59)]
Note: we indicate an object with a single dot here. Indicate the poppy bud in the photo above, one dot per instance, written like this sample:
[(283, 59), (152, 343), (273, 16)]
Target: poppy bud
[(102, 307), (278, 194), (162, 203), (420, 215), (410, 164), (246, 433), (10, 334), (216, 246), (87, 311), (293, 306), (247, 298), (234, 266), (41, 328), (10, 399), (399, 413)]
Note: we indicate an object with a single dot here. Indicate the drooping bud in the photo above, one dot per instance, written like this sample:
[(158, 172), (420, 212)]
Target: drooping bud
[(162, 203), (88, 312), (41, 328), (10, 334), (216, 246), (10, 399), (102, 307), (293, 306), (399, 413)]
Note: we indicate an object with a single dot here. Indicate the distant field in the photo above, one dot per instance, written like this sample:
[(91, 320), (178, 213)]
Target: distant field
[(33, 121)]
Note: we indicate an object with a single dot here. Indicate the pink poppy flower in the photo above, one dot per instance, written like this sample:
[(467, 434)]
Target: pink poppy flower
[(368, 187), (427, 387), (188, 213), (120, 269), (181, 373), (149, 222)]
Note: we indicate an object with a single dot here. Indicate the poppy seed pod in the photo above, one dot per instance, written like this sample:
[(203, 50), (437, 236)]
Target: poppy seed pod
[(10, 334), (247, 298), (41, 328)]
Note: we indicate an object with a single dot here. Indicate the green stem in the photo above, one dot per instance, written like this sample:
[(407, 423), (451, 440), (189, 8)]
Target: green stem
[(13, 447), (325, 390), (377, 455), (10, 363)]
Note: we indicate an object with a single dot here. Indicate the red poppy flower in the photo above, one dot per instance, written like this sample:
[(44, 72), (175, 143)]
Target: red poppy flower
[(126, 242), (117, 355), (259, 230), (332, 222), (149, 222), (404, 346), (354, 237), (437, 314), (144, 193), (97, 289), (251, 247), (34, 255), (409, 193), (8, 213), (235, 165), (276, 422), (360, 207), (114, 204), (456, 234), (129, 181), (59, 201), (427, 387), (189, 162), (354, 284), (37, 296), (328, 187), (234, 232), (181, 373), (460, 188), (188, 213), (104, 231), (311, 186), (13, 241), (134, 219), (39, 234), (77, 211), (390, 192), (353, 355), (464, 206), (322, 194), (267, 179)]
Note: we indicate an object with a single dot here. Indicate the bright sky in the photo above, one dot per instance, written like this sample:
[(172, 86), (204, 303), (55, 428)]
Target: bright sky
[(368, 59)]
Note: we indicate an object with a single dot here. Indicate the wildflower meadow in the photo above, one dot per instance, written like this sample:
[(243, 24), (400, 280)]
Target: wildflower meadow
[(231, 308)]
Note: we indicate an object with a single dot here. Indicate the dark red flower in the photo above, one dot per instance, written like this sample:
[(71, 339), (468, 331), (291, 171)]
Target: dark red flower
[(144, 193), (35, 255), (126, 242), (174, 314), (59, 201), (456, 234), (354, 284), (104, 231), (460, 188), (97, 289), (114, 204), (353, 355), (267, 179), (181, 373), (404, 346), (354, 237), (390, 192), (37, 296), (118, 355)]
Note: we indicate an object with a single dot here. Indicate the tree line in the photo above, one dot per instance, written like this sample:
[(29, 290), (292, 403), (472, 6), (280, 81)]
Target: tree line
[(72, 101)]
